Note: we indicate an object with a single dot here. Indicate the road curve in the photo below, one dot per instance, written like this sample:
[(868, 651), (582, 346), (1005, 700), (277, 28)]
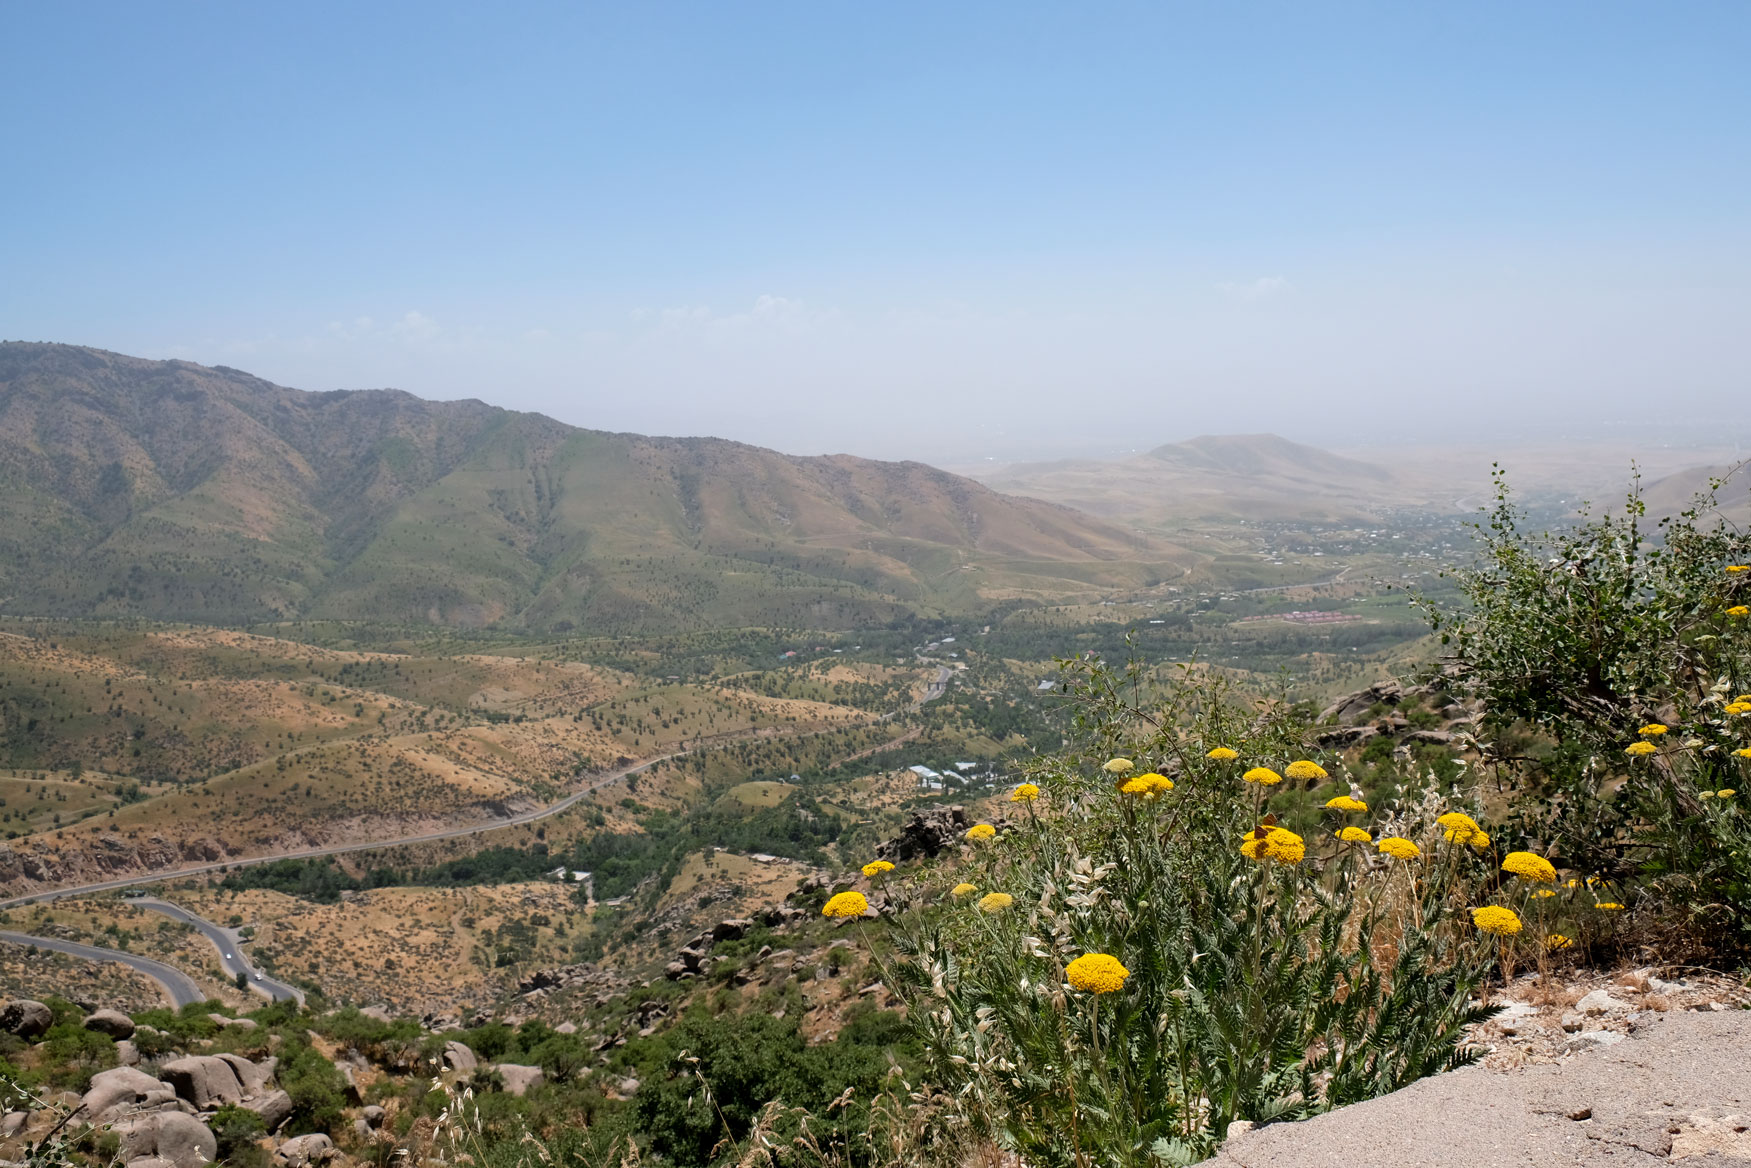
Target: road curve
[(934, 691), (231, 957), (180, 987)]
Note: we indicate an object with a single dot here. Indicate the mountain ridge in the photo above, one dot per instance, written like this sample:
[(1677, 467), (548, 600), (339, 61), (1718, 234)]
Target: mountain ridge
[(181, 491)]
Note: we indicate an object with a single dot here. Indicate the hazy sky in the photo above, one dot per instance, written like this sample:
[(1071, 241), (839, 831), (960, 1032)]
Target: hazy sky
[(929, 230)]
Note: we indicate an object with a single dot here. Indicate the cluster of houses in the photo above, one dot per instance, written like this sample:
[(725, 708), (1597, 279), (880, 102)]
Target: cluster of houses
[(962, 775)]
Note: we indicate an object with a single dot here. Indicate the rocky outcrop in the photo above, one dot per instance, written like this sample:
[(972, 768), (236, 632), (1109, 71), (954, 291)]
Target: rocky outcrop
[(301, 1151), (111, 1022), (172, 1136), (459, 1057), (519, 1078), (211, 1081), (275, 1108), (1352, 706), (927, 834), (121, 1091), (25, 1018)]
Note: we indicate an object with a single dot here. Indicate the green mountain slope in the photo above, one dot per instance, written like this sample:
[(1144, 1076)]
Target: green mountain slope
[(177, 491)]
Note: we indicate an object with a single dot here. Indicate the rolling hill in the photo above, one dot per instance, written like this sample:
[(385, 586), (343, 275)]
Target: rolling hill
[(170, 490), (1217, 477)]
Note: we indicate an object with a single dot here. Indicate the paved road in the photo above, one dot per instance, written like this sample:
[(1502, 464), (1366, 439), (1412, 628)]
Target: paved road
[(231, 956), (177, 984), (339, 849)]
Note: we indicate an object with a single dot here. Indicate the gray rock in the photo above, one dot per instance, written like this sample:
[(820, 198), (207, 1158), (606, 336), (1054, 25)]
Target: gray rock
[(12, 1123), (150, 1162), (380, 1013), (303, 1150), (1237, 1129), (111, 1022), (1600, 1002), (127, 1054), (374, 1115), (117, 1092), (205, 1080), (459, 1057), (250, 1077), (1573, 1022), (518, 1078), (566, 1028), (275, 1108), (1593, 1040), (182, 1140), (26, 1018)]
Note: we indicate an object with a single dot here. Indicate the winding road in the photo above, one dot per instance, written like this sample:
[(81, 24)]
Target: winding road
[(178, 985), (183, 989)]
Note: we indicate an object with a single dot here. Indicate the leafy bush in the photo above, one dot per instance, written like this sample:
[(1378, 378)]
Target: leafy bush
[(1239, 988), (1578, 640)]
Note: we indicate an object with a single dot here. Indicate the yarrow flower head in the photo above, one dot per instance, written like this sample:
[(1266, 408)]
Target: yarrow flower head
[(1276, 843), (1301, 770), (1739, 706), (1098, 973), (845, 905), (1609, 906), (1148, 786), (1026, 793), (1739, 610), (1223, 754), (1493, 918), (995, 902), (1455, 819), (1118, 766), (1652, 730), (1527, 866), (981, 831), (1743, 752), (1544, 893), (1398, 848), (1639, 749), (1737, 568), (1263, 775), (1725, 793), (876, 867), (1355, 835), (1556, 941), (962, 889), (1346, 803)]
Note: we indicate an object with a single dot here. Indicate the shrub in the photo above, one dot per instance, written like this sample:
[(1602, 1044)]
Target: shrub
[(1217, 986)]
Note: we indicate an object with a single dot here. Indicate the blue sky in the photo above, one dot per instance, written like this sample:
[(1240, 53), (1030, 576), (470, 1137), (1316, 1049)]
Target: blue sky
[(940, 231)]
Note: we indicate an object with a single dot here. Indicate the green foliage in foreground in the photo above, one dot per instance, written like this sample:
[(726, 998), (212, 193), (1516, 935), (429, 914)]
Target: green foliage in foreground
[(1577, 640), (1257, 990)]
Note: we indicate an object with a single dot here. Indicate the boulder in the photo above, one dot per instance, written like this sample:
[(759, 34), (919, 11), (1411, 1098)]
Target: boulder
[(12, 1123), (927, 833), (300, 1151), (1593, 1040), (127, 1054), (275, 1108), (732, 930), (116, 1092), (172, 1136), (373, 1115), (250, 1077), (150, 1162), (1600, 1002), (459, 1057), (205, 1080), (25, 1018), (380, 1013), (111, 1022), (518, 1078)]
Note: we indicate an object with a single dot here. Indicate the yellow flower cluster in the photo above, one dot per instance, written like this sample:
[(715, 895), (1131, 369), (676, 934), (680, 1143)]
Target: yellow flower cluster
[(962, 889), (1743, 752), (1026, 793), (1355, 835), (1148, 786), (876, 867), (1640, 748), (1264, 775), (1398, 848), (1278, 843), (1223, 754), (1456, 819), (1346, 803), (981, 831), (1609, 906), (1725, 793), (1652, 730), (1738, 707), (1544, 893), (846, 905), (1463, 829), (1739, 610), (1557, 941), (994, 902), (1527, 866), (1493, 918), (1118, 766), (1302, 770), (1098, 973), (1739, 567)]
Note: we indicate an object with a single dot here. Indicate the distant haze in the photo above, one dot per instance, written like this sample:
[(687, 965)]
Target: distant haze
[(951, 233)]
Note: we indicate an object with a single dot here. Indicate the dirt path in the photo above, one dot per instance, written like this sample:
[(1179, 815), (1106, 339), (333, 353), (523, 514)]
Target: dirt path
[(1677, 1090)]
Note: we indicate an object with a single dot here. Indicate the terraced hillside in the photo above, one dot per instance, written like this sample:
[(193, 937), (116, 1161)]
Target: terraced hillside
[(175, 491)]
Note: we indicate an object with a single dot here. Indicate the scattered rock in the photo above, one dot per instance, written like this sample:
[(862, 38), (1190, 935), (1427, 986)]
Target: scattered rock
[(1600, 1002), (172, 1136), (275, 1108), (300, 1151), (518, 1078), (927, 833), (25, 1018), (374, 1115), (1237, 1129), (1593, 1040), (117, 1092), (459, 1057), (111, 1022), (1581, 1113)]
